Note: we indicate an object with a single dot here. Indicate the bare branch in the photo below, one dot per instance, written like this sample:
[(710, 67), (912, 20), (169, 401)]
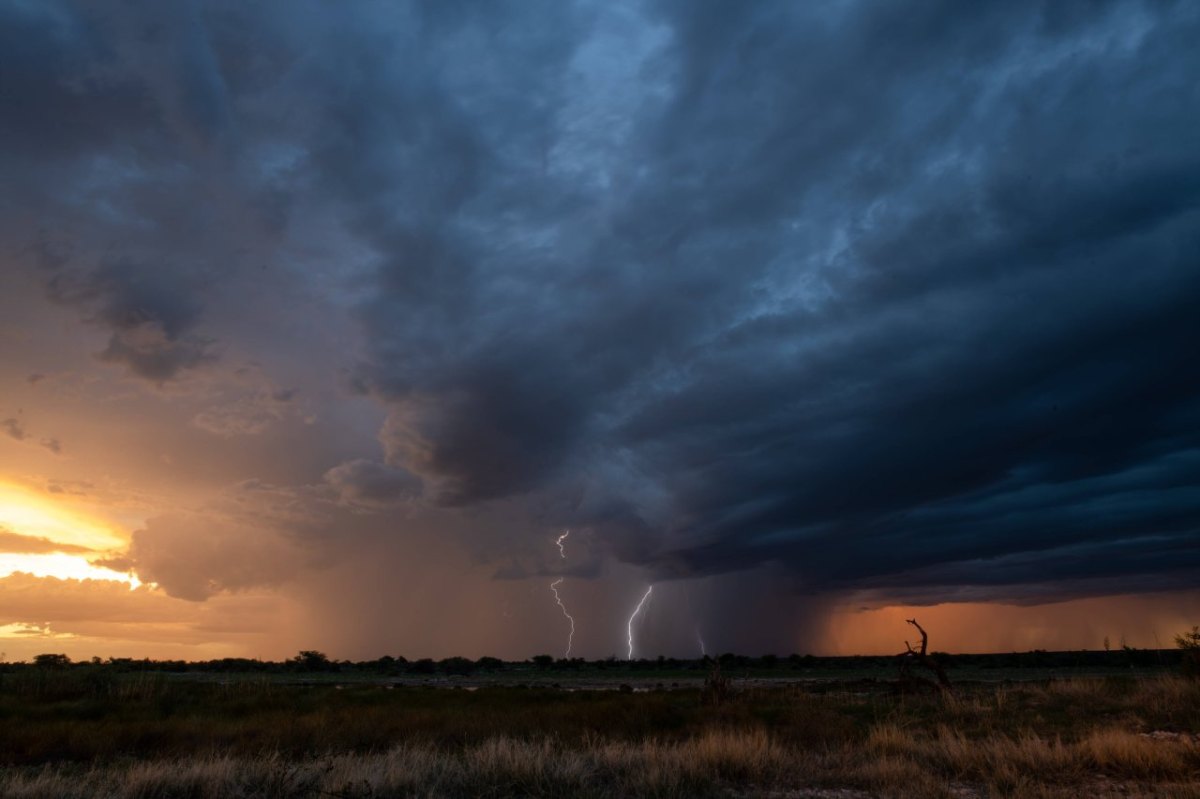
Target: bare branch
[(924, 635), (921, 657)]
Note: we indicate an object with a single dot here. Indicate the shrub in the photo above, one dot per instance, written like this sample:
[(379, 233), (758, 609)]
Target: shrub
[(49, 661), (1189, 642), (312, 660), (717, 689)]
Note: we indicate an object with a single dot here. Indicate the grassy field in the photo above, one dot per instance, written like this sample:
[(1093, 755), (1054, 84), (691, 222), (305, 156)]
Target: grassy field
[(91, 732)]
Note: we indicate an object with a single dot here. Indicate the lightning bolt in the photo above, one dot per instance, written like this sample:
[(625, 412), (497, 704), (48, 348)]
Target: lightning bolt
[(629, 626), (558, 599), (700, 640), (562, 553)]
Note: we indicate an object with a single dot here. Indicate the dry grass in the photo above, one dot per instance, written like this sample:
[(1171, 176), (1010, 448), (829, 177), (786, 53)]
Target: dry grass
[(1031, 765), (496, 767), (892, 762), (1062, 739)]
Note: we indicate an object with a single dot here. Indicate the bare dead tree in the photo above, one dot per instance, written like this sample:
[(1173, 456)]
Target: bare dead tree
[(920, 657), (717, 688)]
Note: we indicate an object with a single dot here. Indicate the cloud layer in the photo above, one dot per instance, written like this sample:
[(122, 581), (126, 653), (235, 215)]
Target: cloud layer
[(885, 299)]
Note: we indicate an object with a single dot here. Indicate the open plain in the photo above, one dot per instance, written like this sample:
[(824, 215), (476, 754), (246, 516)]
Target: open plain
[(597, 730)]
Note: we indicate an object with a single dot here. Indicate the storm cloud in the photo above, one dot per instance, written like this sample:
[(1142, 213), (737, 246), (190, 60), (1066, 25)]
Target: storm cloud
[(884, 298), (864, 293)]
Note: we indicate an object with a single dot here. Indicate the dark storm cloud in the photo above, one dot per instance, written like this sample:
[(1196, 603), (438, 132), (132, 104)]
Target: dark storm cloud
[(893, 297), (150, 311), (58, 102), (888, 295), (123, 187), (363, 482)]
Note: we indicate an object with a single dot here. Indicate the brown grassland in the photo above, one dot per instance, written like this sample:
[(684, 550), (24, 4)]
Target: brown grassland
[(145, 735)]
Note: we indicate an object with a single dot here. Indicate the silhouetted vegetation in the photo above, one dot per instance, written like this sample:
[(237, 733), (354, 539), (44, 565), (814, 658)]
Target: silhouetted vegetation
[(49, 661), (92, 730), (921, 656), (717, 689), (311, 664), (1189, 647), (1016, 724)]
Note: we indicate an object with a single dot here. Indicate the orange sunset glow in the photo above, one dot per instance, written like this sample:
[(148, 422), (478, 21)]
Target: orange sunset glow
[(41, 539)]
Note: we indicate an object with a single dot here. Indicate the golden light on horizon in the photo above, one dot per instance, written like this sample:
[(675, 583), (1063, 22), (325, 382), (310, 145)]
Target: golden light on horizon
[(61, 566), (27, 513), (30, 513)]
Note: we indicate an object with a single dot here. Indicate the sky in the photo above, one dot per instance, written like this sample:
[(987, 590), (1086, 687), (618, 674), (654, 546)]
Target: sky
[(322, 323)]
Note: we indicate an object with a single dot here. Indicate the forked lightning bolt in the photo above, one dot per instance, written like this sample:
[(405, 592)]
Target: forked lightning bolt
[(558, 599), (629, 626), (562, 553)]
